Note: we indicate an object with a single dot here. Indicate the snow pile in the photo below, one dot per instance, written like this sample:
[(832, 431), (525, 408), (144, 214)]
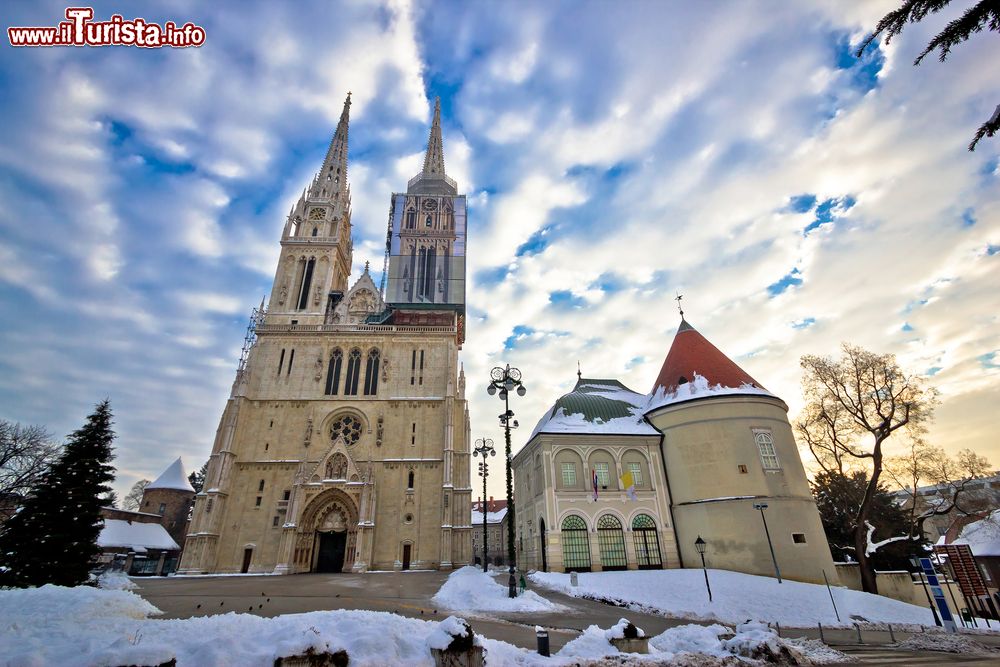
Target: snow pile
[(471, 589), (115, 580), (692, 644), (737, 597), (944, 643), (699, 388), (53, 625), (617, 631)]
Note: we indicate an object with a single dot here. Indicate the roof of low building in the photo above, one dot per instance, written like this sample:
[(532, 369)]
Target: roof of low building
[(491, 517), (694, 368), (597, 406), (982, 536), (136, 536), (174, 477)]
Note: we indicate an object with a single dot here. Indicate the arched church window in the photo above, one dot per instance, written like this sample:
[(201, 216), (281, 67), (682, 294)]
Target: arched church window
[(333, 372), (353, 372), (411, 219), (315, 231), (371, 372), (409, 480), (427, 221), (576, 544), (768, 454), (347, 427), (307, 276)]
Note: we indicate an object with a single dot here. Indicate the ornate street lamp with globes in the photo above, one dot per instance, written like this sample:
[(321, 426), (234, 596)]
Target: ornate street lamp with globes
[(484, 448), (502, 382)]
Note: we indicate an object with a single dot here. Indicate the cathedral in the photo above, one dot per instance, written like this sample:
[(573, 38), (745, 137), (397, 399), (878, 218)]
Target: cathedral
[(344, 445)]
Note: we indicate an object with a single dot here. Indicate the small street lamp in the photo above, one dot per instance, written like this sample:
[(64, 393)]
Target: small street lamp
[(502, 382), (484, 448), (699, 544), (762, 507)]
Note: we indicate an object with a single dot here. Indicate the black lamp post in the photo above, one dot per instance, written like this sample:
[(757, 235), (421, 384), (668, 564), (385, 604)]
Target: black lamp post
[(484, 448), (762, 507), (699, 544), (502, 382)]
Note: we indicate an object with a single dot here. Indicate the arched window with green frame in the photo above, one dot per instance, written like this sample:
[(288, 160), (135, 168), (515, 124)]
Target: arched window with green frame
[(576, 544), (647, 543), (612, 543)]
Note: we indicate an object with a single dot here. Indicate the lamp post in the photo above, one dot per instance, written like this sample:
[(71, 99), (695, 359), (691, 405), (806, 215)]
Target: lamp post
[(699, 544), (484, 448), (762, 507), (502, 382)]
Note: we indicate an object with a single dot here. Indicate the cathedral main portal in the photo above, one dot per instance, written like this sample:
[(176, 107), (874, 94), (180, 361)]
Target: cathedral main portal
[(328, 531)]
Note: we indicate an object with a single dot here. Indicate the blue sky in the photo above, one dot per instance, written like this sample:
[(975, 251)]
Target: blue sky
[(614, 154)]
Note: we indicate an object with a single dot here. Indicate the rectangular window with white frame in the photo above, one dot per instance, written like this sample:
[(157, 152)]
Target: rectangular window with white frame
[(603, 474), (636, 470), (765, 445), (569, 474)]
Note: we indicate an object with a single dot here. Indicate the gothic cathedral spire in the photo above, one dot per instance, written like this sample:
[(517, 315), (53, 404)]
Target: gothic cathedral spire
[(332, 176), (434, 159)]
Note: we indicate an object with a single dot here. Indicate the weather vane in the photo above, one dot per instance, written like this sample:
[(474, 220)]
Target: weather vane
[(678, 300)]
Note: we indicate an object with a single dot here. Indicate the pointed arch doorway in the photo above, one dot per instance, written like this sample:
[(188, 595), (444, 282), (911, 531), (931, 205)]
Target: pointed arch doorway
[(330, 522)]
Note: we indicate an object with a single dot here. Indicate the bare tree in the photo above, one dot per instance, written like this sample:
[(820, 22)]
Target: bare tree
[(853, 405), (133, 498), (953, 477), (25, 455)]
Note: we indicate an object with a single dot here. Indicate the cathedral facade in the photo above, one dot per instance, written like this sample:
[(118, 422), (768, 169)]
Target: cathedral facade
[(344, 445)]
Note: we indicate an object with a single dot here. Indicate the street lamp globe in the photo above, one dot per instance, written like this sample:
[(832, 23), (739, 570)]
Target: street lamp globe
[(521, 391), (491, 390), (508, 384)]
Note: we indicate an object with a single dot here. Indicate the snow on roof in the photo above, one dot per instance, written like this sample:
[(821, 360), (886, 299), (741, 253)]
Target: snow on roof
[(136, 536), (983, 535), (692, 354), (597, 406), (699, 387), (174, 477), (491, 517)]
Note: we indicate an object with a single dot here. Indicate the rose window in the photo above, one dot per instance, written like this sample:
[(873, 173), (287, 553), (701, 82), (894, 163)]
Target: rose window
[(348, 427)]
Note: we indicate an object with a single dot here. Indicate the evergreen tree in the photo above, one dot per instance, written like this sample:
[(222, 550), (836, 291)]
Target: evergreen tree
[(53, 539), (197, 478), (838, 497), (982, 14)]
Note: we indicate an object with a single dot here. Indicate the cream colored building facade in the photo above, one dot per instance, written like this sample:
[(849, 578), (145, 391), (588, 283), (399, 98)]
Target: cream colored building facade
[(344, 444), (719, 448)]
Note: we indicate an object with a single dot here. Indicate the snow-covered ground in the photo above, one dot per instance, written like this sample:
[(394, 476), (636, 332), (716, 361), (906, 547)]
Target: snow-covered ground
[(88, 626), (471, 589), (736, 597)]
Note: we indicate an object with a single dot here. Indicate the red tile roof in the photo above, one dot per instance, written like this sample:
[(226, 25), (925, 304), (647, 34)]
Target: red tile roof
[(691, 353)]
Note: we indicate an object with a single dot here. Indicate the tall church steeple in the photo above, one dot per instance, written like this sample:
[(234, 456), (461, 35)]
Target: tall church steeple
[(434, 158), (316, 241), (332, 176), (432, 179)]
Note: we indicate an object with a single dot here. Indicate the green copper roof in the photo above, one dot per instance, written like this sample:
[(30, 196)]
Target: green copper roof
[(597, 406), (588, 399)]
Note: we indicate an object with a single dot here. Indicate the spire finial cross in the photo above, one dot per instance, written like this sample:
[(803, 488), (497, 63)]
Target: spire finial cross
[(579, 373), (678, 300)]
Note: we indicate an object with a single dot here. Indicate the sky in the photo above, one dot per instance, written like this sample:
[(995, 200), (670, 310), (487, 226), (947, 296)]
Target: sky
[(614, 155)]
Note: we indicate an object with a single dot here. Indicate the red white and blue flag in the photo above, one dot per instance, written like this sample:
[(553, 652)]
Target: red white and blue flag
[(593, 472)]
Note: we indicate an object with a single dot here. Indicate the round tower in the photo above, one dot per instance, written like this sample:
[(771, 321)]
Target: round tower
[(733, 466), (170, 495)]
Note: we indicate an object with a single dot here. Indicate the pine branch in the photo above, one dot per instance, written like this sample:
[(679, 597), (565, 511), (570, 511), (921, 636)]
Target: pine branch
[(986, 13), (987, 129), (893, 23)]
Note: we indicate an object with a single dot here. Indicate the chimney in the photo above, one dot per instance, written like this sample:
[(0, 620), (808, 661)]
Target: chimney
[(491, 505)]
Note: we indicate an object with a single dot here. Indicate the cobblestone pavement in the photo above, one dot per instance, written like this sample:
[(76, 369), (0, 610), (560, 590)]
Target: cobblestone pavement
[(409, 594)]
